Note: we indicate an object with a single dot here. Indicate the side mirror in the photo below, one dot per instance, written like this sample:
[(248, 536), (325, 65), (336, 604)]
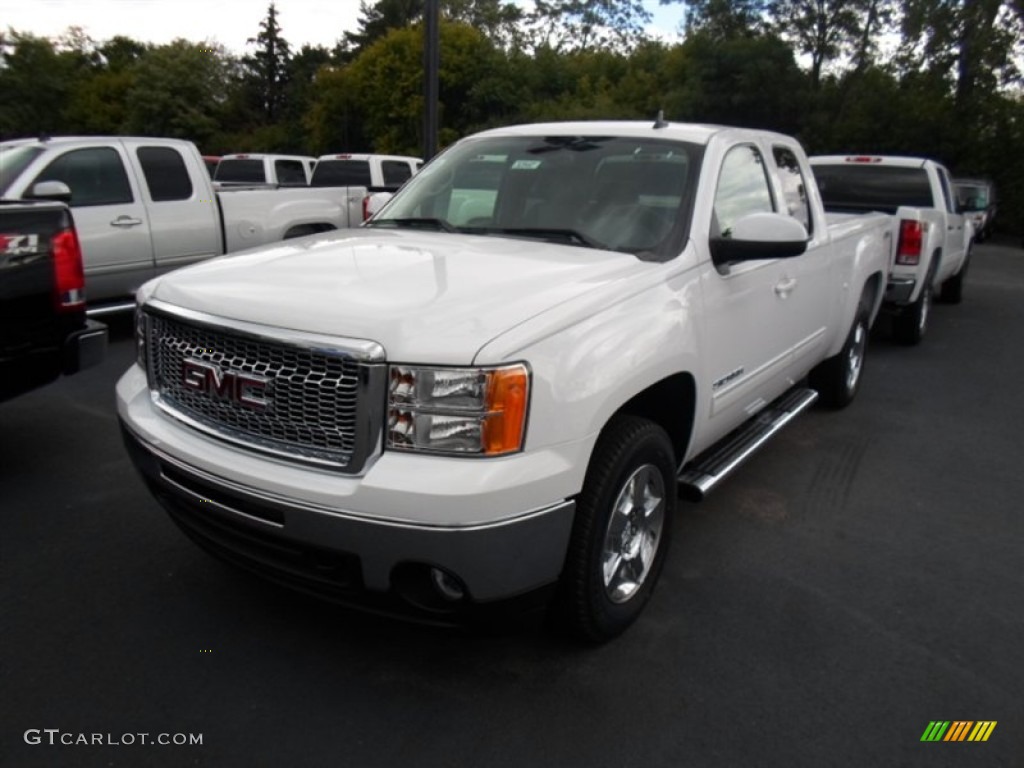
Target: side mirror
[(760, 236), (51, 190)]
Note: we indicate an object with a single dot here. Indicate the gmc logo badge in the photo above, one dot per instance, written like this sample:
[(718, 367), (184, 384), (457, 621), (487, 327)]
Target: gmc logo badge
[(246, 389)]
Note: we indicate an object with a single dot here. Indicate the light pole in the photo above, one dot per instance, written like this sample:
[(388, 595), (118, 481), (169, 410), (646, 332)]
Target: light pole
[(431, 65)]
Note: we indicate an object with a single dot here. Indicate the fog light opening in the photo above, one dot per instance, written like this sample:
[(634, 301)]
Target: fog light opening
[(449, 587)]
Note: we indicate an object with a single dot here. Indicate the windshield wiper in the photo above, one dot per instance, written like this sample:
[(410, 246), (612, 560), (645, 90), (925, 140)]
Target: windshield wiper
[(571, 235), (427, 223)]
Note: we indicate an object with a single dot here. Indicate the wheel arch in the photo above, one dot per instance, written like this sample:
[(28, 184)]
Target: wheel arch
[(312, 228), (671, 404)]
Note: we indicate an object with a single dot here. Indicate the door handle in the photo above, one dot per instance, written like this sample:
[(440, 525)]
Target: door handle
[(784, 286), (125, 221)]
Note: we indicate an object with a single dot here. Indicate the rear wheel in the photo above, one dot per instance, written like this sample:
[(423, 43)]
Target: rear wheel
[(837, 379), (621, 532), (909, 326), (953, 288)]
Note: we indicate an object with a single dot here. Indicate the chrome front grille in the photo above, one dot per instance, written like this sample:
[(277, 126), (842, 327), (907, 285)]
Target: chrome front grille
[(317, 402)]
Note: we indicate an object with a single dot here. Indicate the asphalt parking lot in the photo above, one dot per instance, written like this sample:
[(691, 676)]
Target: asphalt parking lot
[(859, 578)]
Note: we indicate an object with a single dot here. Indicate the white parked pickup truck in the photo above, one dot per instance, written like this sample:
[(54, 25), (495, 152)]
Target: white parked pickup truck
[(493, 392), (144, 206), (933, 238), (252, 169), (380, 174)]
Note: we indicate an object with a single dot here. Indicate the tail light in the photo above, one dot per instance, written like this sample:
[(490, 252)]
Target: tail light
[(366, 207), (68, 275), (911, 241)]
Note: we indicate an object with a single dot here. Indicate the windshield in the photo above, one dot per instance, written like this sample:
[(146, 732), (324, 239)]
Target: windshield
[(616, 193), (14, 160), (240, 170), (972, 195)]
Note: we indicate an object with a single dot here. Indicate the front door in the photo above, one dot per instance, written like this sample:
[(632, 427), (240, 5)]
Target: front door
[(110, 217)]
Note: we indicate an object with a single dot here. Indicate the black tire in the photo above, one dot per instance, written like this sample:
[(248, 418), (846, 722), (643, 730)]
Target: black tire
[(838, 378), (952, 291), (910, 325), (609, 574)]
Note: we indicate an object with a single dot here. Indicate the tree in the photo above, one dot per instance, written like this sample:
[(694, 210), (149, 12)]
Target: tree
[(268, 66), (35, 81), (820, 29), (723, 19), (376, 21), (580, 25), (178, 92)]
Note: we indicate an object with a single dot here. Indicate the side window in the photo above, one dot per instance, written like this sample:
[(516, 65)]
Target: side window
[(743, 188), (794, 190), (395, 172), (95, 175), (290, 173), (165, 172)]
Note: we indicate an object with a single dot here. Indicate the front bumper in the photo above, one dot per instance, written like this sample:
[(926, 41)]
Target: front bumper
[(383, 566)]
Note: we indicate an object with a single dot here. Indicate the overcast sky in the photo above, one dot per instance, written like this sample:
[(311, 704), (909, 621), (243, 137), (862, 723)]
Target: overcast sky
[(230, 22)]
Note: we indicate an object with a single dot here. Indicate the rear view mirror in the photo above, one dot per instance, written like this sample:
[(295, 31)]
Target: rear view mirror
[(760, 236), (51, 190)]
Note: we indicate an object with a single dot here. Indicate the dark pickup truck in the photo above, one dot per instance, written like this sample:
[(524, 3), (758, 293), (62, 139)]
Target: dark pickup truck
[(43, 328)]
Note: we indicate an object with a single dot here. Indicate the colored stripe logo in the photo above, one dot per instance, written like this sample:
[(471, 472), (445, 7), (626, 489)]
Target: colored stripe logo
[(958, 730)]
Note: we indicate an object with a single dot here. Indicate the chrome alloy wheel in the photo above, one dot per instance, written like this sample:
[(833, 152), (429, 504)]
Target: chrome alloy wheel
[(855, 355), (633, 534), (926, 304)]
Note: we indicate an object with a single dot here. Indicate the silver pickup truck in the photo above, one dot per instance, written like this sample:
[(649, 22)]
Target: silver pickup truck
[(144, 206)]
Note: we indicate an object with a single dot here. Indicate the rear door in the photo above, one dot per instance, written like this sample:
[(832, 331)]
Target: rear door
[(111, 217), (807, 293), (955, 245), (182, 211)]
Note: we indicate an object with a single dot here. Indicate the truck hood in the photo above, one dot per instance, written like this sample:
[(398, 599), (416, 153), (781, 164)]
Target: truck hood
[(424, 296)]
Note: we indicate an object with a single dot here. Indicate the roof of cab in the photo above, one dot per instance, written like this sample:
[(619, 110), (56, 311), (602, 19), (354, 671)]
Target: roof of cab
[(697, 133)]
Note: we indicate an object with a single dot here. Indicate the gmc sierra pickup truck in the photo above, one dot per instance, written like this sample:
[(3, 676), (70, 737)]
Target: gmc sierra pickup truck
[(264, 170), (382, 175), (145, 206), (932, 236), (494, 391), (43, 328)]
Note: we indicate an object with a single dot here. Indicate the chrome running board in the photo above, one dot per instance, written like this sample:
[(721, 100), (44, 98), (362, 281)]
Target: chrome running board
[(716, 463)]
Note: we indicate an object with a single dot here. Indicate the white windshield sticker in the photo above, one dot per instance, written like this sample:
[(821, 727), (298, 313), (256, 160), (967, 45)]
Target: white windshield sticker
[(525, 165)]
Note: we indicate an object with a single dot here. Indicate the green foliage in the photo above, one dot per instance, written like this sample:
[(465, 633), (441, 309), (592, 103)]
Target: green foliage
[(812, 68), (267, 68), (177, 92)]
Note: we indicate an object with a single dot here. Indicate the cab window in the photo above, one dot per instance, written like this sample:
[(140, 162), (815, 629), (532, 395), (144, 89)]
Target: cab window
[(794, 190), (95, 175), (743, 188)]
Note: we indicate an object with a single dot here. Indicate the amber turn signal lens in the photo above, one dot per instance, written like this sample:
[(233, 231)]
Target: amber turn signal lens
[(508, 391)]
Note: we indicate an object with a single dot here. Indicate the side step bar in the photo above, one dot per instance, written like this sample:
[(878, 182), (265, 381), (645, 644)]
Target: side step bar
[(110, 309), (717, 462)]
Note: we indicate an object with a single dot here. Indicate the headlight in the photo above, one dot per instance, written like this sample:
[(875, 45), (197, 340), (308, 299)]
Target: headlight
[(471, 411)]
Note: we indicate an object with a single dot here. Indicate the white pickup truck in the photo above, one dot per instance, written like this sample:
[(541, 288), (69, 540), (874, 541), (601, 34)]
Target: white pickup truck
[(491, 393), (144, 206), (253, 169), (380, 174), (932, 236)]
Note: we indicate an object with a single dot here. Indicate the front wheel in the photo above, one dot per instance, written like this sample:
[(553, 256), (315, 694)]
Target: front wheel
[(837, 379), (621, 532)]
